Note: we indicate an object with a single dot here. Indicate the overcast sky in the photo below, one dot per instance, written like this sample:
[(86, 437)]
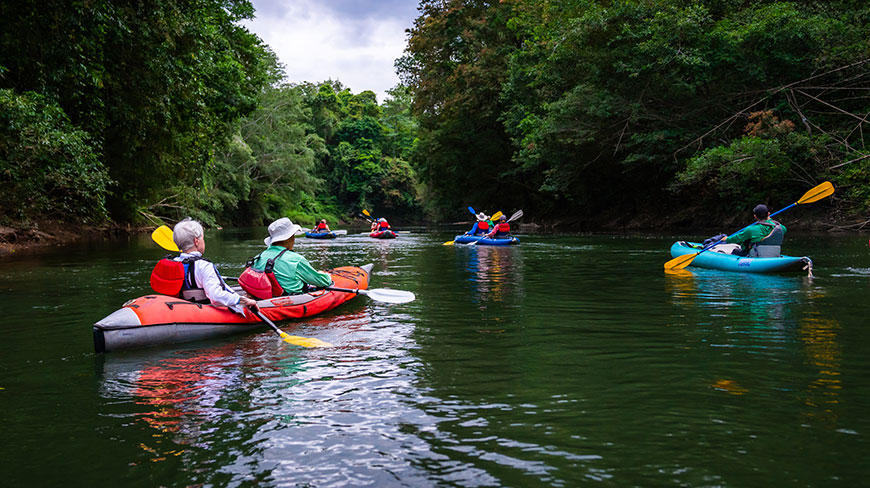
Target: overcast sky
[(353, 41)]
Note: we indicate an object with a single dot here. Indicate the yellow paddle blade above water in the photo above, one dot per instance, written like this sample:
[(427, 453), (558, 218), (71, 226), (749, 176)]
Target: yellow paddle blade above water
[(449, 243), (163, 237), (304, 341), (681, 262), (822, 190)]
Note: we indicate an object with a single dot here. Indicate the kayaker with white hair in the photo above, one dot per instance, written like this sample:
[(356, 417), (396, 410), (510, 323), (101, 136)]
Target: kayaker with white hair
[(292, 271), (189, 237)]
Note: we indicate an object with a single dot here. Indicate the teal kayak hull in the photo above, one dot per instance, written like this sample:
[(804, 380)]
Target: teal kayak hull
[(711, 259)]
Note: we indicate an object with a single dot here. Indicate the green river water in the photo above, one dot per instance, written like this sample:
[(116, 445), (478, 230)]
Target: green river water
[(569, 360)]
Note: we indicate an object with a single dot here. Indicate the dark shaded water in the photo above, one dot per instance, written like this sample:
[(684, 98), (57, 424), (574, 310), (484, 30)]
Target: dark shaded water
[(565, 361)]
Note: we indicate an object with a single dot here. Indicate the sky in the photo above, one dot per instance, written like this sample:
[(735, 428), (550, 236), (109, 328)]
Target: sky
[(353, 41)]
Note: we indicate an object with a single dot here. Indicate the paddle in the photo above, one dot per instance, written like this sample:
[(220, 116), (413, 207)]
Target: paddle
[(368, 215), (163, 237), (295, 340), (815, 194), (385, 295)]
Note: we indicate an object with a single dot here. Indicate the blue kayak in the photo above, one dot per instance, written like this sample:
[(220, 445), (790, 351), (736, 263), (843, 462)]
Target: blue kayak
[(483, 241), (320, 235), (724, 261)]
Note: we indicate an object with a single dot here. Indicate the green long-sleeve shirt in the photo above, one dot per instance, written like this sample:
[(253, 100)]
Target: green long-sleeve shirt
[(754, 233), (292, 270)]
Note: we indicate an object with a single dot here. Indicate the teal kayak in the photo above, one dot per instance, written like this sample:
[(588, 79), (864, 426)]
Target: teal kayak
[(721, 259)]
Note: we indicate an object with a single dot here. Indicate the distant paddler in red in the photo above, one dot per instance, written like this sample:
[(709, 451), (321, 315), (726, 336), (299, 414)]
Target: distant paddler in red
[(321, 227), (481, 227), (380, 225), (501, 230)]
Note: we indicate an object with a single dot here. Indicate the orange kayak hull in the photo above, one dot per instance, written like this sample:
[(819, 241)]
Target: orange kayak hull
[(159, 319)]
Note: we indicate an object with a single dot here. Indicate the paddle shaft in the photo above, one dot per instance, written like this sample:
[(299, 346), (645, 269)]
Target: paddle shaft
[(265, 319)]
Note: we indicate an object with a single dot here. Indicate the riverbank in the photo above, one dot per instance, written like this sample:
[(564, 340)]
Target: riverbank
[(23, 239)]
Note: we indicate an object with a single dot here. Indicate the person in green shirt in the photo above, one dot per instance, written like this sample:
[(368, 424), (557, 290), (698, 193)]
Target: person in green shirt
[(761, 239), (292, 271)]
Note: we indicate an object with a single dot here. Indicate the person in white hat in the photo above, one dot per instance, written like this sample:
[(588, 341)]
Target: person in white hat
[(481, 226), (291, 270)]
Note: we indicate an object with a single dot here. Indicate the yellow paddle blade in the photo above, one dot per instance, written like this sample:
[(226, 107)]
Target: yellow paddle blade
[(449, 243), (366, 213), (163, 237), (496, 215), (304, 341), (823, 190), (681, 262)]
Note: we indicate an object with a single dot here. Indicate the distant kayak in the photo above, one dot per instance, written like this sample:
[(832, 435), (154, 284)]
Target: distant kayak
[(484, 241), (321, 235), (384, 234), (717, 259)]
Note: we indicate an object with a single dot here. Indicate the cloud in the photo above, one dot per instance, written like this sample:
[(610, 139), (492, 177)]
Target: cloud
[(353, 41)]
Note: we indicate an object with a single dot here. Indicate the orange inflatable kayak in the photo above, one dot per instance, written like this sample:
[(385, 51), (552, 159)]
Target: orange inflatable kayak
[(159, 319)]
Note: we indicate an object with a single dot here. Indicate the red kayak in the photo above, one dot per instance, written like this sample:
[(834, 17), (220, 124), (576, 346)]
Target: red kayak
[(384, 234), (159, 319)]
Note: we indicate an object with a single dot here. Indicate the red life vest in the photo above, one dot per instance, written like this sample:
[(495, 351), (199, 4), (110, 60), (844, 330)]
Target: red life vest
[(483, 225), (503, 227), (321, 226), (170, 277), (261, 284), (383, 225)]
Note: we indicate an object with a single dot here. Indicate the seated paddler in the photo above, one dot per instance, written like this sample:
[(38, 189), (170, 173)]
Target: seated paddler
[(381, 225), (197, 278), (481, 227), (321, 227), (292, 271), (501, 230), (763, 239)]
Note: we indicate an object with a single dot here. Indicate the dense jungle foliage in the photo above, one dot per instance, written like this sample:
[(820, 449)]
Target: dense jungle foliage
[(142, 113), (669, 110)]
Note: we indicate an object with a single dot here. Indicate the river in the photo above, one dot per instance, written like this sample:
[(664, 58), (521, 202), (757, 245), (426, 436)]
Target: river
[(569, 360)]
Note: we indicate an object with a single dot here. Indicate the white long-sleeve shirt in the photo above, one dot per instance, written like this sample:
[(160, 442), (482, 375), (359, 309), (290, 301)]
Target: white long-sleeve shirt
[(207, 278)]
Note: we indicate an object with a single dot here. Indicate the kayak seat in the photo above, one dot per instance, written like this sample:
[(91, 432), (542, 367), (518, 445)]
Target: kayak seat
[(770, 246)]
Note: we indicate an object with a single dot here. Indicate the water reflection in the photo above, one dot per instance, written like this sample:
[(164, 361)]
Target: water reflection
[(755, 299), (823, 351), (495, 273)]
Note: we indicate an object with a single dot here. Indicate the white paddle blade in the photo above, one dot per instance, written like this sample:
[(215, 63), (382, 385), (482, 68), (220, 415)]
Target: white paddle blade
[(389, 296), (518, 214), (340, 232)]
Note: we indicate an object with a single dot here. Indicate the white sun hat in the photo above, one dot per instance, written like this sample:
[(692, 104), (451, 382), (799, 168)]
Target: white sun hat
[(281, 230), (482, 216)]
